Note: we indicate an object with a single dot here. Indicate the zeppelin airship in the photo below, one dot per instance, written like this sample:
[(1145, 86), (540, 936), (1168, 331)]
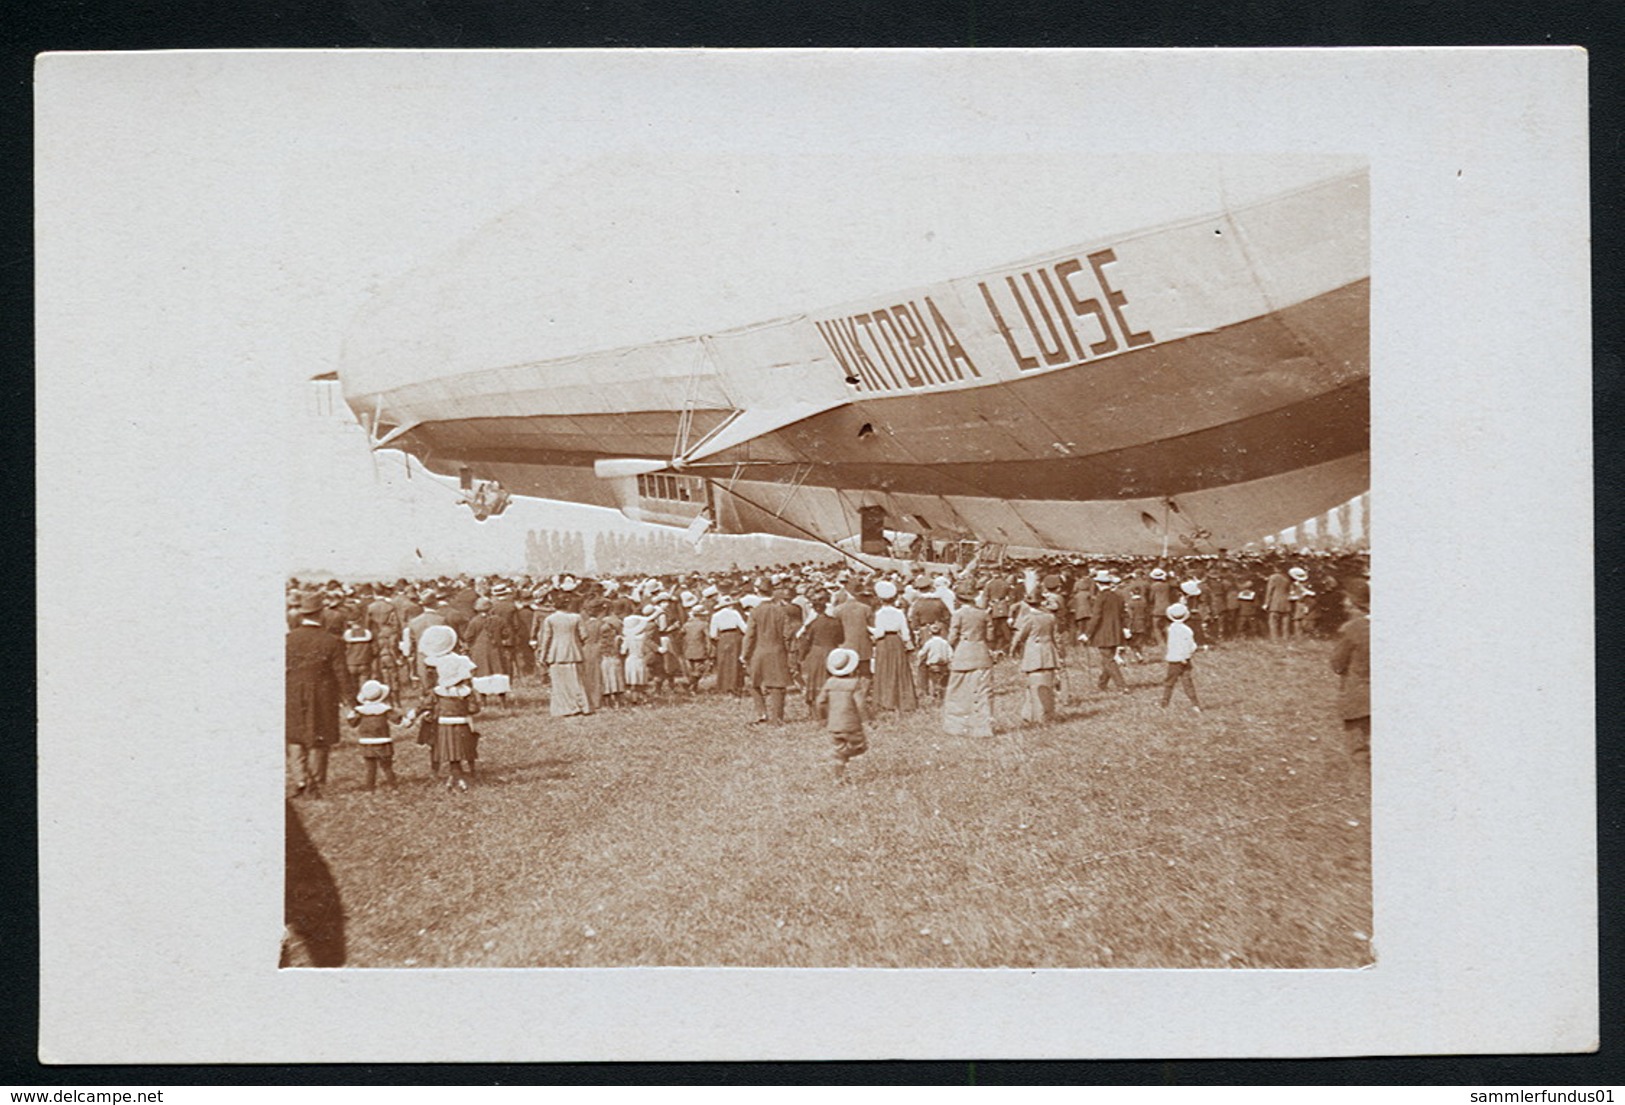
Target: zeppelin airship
[(1192, 385)]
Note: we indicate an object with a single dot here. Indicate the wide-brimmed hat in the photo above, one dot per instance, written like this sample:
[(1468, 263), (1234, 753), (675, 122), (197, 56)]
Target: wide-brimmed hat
[(885, 590), (1191, 587), (310, 603), (374, 691), (1178, 612), (452, 668), (501, 591), (1299, 574), (842, 661), (1158, 573), (437, 640), (688, 599)]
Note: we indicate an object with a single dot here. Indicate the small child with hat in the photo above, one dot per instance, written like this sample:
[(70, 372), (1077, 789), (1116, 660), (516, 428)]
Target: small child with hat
[(1181, 647), (371, 720), (841, 702), (448, 709)]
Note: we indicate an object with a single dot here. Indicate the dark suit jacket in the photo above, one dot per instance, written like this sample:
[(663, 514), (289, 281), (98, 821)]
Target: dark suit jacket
[(316, 687), (1107, 620)]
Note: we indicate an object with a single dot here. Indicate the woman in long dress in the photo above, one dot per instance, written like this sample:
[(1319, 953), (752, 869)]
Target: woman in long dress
[(592, 652), (967, 708), (728, 631), (561, 650), (1035, 645), (894, 682)]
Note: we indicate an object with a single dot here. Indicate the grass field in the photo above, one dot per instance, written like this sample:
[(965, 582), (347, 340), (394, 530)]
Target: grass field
[(1122, 835)]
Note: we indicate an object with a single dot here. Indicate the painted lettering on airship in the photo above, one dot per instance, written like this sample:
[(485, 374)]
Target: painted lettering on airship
[(1052, 315)]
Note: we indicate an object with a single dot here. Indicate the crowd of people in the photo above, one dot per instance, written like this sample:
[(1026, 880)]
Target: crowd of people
[(424, 657)]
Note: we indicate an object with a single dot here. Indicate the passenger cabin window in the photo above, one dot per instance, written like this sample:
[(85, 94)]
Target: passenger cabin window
[(675, 489)]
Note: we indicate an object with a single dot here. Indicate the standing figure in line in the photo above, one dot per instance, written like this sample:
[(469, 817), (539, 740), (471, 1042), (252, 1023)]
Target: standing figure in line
[(1040, 659), (773, 624), (592, 652), (819, 638), (611, 672), (563, 650), (450, 707), (967, 707), (696, 641), (371, 718), (1302, 597), (317, 684), (1278, 604), (636, 635), (894, 680), (855, 617), (728, 631)]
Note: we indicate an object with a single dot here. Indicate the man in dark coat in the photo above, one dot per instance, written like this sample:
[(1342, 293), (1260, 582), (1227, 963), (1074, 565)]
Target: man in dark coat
[(855, 615), (768, 633), (318, 686), (1107, 629), (506, 623)]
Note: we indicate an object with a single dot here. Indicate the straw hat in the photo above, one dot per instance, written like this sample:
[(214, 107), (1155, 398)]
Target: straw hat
[(1158, 573), (1177, 612), (1299, 574), (437, 640), (885, 590), (374, 691), (452, 669), (1191, 587), (842, 661)]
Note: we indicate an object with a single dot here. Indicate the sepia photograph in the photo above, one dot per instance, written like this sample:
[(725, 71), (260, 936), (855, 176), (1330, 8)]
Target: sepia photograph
[(1014, 616), (812, 554)]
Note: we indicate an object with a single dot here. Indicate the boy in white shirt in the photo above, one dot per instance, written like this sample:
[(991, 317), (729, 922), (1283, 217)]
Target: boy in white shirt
[(1181, 647)]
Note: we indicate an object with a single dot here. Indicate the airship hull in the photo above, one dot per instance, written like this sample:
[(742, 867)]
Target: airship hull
[(1195, 386)]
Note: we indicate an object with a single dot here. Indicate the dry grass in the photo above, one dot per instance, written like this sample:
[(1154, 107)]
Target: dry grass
[(1120, 836)]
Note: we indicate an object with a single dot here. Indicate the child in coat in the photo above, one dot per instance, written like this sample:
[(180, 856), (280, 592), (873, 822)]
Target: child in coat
[(841, 701), (453, 704), (371, 719)]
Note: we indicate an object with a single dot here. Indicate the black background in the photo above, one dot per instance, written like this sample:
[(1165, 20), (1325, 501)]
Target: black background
[(28, 29)]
